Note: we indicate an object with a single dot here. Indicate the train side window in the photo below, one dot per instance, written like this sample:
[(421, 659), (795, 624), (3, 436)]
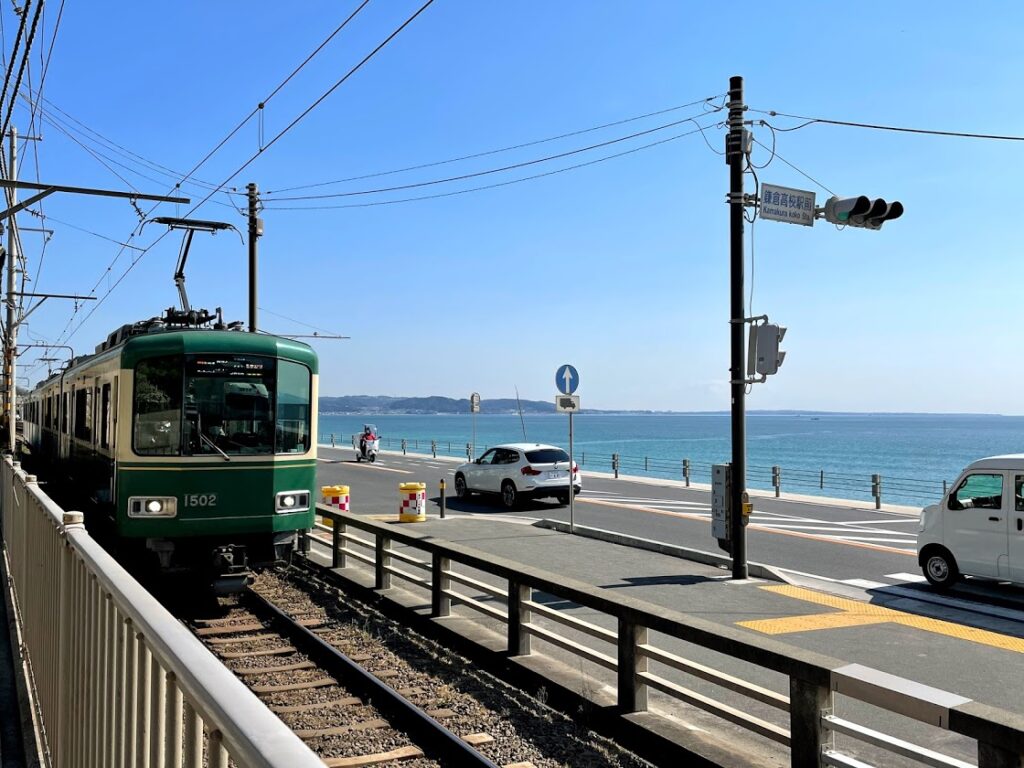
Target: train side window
[(64, 413), (156, 427), (105, 417), (83, 414)]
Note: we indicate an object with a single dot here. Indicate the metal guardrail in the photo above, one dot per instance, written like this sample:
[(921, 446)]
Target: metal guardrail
[(808, 724), (767, 478), (118, 680)]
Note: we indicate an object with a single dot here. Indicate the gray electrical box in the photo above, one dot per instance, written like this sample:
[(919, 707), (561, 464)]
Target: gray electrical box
[(721, 512)]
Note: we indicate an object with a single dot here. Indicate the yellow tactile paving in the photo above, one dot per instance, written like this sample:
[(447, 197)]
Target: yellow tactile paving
[(851, 613)]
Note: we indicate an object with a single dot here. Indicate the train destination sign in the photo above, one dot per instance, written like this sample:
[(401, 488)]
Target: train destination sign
[(793, 206)]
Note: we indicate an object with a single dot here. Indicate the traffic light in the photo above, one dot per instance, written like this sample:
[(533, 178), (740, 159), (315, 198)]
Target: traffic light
[(766, 339), (861, 211)]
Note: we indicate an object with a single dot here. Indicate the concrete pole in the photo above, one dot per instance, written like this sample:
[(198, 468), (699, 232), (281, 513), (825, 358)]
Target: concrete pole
[(255, 230)]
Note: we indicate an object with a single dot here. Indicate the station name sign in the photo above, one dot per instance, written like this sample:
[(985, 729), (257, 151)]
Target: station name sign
[(793, 206)]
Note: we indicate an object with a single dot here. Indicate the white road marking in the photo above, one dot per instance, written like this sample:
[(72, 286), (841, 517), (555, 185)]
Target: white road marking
[(914, 577)]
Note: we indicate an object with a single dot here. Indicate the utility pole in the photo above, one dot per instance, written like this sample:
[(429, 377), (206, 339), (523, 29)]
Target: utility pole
[(734, 156), (255, 232), (11, 342)]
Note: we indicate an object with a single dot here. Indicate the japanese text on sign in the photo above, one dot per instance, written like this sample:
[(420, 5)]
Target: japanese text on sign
[(795, 206)]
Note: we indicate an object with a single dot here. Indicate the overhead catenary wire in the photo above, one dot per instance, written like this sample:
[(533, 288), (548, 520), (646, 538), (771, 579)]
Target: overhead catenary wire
[(262, 149), (500, 150), (879, 127)]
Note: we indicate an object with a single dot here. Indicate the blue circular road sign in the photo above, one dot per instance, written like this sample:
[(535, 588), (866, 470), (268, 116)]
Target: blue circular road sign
[(566, 379)]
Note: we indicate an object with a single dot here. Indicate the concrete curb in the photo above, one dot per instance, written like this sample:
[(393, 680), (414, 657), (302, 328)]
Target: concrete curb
[(756, 570)]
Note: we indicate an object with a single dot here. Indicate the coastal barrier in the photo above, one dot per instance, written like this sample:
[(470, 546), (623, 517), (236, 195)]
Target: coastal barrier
[(812, 481)]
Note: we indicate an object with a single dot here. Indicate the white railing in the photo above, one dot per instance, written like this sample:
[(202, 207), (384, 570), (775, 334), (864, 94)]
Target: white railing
[(118, 680)]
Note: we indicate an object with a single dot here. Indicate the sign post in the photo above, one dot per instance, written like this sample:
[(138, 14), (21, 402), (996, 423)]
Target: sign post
[(567, 379), (474, 408)]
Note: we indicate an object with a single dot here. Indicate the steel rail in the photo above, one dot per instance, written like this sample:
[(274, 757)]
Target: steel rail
[(436, 740)]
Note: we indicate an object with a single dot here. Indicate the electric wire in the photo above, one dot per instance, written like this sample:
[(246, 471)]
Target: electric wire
[(487, 186), (21, 68), (802, 173), (477, 174), (14, 53), (510, 148), (298, 322), (878, 127), (273, 93), (248, 162)]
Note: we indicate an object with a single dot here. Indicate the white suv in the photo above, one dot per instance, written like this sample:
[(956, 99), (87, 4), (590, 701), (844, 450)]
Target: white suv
[(517, 471)]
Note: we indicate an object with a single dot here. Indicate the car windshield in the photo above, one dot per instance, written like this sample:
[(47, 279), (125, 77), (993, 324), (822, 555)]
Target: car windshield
[(546, 456), (218, 404)]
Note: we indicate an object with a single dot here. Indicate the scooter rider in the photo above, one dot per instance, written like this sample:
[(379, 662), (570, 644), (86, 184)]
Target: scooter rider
[(367, 436)]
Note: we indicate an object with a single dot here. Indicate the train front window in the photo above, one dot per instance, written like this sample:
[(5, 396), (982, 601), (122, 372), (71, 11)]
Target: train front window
[(293, 407), (229, 404), (157, 427)]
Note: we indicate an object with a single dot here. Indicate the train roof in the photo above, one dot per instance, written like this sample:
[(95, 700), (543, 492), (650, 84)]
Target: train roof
[(198, 341), (178, 341)]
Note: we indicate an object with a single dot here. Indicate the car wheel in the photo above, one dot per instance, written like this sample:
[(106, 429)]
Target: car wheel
[(461, 491), (563, 498), (509, 496), (940, 569)]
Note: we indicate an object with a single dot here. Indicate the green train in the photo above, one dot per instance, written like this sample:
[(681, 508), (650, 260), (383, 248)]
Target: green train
[(194, 445)]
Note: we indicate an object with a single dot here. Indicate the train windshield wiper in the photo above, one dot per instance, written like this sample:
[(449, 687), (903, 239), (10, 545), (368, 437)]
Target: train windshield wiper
[(213, 445)]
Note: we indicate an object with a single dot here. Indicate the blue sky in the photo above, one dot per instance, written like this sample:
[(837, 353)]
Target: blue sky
[(621, 267)]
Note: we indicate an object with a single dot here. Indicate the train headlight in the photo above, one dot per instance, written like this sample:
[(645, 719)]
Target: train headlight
[(292, 501), (152, 506)]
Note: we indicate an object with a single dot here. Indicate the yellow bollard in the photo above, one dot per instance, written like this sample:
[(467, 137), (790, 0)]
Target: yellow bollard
[(412, 507), (336, 496)]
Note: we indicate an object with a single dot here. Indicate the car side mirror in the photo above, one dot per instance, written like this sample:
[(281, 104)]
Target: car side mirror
[(476, 461)]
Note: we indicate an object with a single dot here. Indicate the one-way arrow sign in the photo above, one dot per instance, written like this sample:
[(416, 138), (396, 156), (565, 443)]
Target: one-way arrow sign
[(566, 379)]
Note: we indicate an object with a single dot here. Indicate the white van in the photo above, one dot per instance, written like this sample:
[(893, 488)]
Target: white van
[(978, 527)]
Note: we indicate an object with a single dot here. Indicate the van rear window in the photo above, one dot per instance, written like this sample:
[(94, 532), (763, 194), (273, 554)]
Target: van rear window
[(546, 456)]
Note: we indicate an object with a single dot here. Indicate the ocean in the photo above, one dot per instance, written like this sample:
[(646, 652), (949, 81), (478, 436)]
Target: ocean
[(830, 454)]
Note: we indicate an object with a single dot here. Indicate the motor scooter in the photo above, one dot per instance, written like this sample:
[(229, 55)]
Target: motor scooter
[(367, 447)]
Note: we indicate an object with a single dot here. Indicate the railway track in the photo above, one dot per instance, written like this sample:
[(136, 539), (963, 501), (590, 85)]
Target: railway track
[(361, 691)]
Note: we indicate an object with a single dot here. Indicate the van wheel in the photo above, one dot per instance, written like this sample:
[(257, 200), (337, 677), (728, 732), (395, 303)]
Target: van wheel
[(940, 569)]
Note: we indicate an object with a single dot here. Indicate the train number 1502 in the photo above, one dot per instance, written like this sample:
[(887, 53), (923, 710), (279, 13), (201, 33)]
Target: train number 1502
[(201, 500)]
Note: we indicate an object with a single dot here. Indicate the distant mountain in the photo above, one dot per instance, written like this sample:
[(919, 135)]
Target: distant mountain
[(424, 405)]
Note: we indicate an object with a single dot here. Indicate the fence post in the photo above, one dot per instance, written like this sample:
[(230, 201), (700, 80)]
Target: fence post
[(821, 483), (632, 692), (615, 465), (777, 480), (382, 578), (645, 463), (686, 472), (943, 487), (337, 558), (518, 618), (583, 459), (440, 603), (876, 490), (433, 448), (469, 452), (403, 446), (332, 441), (807, 702)]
